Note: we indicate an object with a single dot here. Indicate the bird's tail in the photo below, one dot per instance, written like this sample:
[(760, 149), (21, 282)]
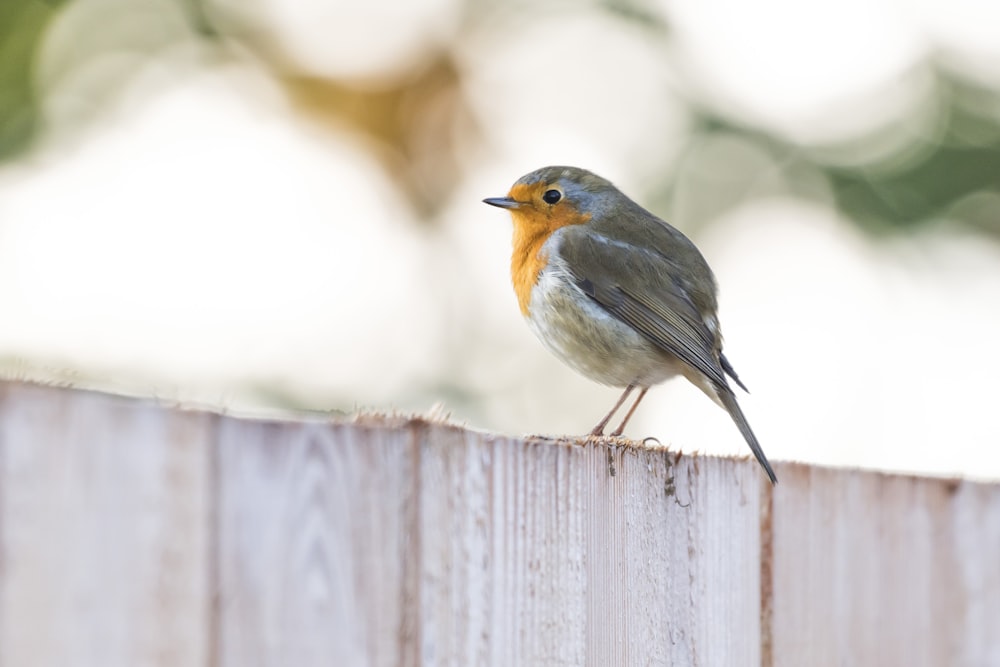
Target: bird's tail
[(728, 399)]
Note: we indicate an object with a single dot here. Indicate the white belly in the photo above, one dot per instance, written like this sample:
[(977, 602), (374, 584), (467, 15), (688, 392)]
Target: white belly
[(591, 340)]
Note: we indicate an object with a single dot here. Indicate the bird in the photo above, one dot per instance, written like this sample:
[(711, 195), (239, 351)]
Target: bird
[(617, 293)]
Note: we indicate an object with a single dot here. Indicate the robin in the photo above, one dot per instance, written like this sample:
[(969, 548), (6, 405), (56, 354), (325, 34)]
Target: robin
[(615, 292)]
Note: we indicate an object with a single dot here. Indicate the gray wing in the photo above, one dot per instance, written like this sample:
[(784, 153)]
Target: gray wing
[(645, 297), (635, 285)]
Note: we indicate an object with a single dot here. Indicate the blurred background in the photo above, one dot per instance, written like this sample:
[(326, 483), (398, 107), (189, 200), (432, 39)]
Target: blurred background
[(274, 205)]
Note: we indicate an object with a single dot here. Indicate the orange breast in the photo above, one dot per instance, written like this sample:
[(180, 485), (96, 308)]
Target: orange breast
[(527, 262), (531, 230)]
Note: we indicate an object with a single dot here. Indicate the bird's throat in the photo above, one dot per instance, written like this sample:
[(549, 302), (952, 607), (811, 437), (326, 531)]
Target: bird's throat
[(527, 261)]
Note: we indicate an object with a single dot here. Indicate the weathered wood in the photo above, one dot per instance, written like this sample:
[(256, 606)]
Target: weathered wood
[(543, 553), (317, 545), (138, 534), (885, 569), (104, 535), (430, 545)]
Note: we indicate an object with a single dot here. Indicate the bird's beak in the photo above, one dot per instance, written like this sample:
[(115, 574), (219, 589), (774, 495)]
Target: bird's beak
[(502, 202)]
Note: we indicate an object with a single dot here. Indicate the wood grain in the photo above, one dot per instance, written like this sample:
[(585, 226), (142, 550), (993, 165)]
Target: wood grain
[(883, 569), (431, 545), (104, 530), (138, 534), (317, 545)]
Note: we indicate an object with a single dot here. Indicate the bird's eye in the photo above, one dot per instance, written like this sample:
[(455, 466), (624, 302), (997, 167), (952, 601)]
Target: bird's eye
[(551, 196)]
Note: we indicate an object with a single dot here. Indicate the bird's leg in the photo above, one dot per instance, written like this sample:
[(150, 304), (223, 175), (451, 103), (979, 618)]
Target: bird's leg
[(599, 429), (618, 431)]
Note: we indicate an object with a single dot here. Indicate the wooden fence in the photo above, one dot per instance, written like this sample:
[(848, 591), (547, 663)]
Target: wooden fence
[(134, 534)]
